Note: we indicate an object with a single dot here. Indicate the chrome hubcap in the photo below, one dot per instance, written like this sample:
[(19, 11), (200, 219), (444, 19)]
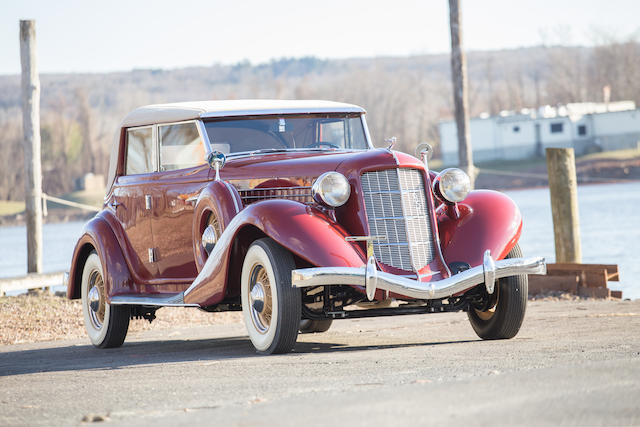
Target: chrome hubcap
[(260, 301), (209, 238), (257, 297), (94, 299)]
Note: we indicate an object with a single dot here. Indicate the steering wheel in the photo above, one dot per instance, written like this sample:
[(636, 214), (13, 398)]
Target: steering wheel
[(321, 143)]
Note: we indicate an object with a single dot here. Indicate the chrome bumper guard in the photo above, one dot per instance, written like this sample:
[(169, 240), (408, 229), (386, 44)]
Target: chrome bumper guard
[(371, 279)]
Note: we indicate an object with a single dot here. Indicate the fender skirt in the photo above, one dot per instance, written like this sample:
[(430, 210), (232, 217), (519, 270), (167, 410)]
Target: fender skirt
[(304, 231), (488, 220)]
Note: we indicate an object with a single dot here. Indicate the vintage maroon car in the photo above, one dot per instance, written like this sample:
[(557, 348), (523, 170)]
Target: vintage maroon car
[(284, 210)]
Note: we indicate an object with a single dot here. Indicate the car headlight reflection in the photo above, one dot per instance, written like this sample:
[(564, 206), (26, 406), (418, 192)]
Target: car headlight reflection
[(331, 189), (452, 184)]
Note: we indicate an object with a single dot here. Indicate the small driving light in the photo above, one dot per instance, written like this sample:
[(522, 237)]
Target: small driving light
[(331, 189), (452, 184)]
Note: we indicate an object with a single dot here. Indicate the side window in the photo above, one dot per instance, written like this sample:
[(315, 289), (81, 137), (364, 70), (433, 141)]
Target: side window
[(140, 152), (180, 146)]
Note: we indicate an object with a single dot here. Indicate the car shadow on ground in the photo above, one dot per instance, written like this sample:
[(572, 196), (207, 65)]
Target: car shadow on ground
[(87, 357)]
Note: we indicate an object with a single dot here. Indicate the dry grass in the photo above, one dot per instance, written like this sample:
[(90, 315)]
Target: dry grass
[(9, 207), (43, 317)]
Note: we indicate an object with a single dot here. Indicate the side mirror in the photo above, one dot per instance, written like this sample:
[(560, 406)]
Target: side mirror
[(216, 160)]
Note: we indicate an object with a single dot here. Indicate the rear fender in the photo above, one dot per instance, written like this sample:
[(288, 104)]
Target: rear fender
[(488, 220), (99, 236), (305, 232)]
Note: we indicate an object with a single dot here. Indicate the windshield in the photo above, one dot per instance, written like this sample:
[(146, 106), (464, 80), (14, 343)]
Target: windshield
[(326, 131)]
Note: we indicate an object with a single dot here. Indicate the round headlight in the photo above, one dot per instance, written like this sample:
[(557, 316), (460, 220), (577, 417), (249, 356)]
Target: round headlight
[(331, 189), (453, 184)]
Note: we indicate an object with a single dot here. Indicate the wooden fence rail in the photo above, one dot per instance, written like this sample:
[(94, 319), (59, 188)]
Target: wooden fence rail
[(30, 281)]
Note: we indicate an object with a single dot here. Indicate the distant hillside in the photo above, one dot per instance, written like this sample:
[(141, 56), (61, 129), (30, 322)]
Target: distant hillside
[(404, 97)]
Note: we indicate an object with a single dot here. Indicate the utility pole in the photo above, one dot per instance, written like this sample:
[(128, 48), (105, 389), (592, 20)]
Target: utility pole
[(32, 156), (460, 97)]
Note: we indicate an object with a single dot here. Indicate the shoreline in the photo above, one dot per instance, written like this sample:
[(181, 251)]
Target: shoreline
[(589, 172)]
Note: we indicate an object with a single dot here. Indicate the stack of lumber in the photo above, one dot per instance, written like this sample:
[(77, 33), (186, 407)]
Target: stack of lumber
[(586, 280)]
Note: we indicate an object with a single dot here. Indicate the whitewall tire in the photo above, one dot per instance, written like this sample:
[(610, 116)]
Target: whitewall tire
[(270, 305), (105, 324)]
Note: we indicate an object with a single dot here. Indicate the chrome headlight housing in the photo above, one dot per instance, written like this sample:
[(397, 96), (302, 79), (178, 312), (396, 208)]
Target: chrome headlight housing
[(331, 189), (452, 185)]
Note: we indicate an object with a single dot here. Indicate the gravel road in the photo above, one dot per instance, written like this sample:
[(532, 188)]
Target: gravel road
[(573, 363)]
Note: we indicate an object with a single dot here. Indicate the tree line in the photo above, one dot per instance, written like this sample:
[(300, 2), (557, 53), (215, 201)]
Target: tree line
[(405, 97)]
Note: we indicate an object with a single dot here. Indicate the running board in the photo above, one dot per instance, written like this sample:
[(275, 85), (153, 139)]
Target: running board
[(159, 300)]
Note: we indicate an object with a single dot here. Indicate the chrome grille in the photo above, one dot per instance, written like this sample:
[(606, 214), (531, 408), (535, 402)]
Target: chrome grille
[(396, 208), (300, 194)]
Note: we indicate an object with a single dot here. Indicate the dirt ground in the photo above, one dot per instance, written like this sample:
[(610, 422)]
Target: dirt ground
[(40, 317), (44, 317), (573, 362)]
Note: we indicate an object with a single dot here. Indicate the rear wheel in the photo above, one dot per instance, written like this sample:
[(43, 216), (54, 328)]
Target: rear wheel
[(270, 305), (503, 316), (308, 326), (105, 324)]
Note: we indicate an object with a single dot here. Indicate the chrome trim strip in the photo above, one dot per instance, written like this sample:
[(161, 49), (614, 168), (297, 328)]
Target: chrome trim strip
[(364, 238), (276, 196), (205, 137), (281, 111), (173, 300), (299, 187), (235, 202), (363, 119), (243, 154), (372, 279)]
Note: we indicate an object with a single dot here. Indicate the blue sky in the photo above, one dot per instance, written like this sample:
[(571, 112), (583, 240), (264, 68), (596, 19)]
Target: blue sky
[(81, 36)]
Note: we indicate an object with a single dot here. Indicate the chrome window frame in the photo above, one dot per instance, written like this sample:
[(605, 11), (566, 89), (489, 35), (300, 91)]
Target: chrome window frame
[(154, 147), (241, 154), (203, 138)]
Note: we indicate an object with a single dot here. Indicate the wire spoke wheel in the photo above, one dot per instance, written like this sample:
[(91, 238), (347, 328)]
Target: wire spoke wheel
[(271, 307), (97, 299), (260, 298), (105, 324)]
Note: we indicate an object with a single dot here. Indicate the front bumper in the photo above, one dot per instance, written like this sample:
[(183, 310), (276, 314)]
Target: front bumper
[(371, 279)]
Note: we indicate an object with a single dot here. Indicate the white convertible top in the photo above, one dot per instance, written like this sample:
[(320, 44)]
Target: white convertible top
[(180, 111), (166, 113)]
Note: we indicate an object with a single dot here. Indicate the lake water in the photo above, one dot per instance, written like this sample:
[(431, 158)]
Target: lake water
[(609, 224)]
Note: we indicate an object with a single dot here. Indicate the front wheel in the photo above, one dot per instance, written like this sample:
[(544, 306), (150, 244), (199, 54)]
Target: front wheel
[(106, 325), (270, 305), (503, 316)]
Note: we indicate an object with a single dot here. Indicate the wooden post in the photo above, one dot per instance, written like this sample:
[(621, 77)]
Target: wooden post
[(563, 188), (460, 97), (31, 128)]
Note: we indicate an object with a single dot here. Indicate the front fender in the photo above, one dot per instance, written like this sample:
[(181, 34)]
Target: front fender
[(98, 235), (307, 233), (488, 220), (304, 231)]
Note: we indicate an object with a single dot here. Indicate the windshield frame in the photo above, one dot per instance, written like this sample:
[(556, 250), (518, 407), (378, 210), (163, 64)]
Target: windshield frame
[(367, 137)]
